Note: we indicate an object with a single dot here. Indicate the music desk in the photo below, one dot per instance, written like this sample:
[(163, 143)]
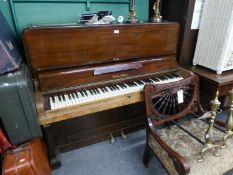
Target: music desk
[(210, 82)]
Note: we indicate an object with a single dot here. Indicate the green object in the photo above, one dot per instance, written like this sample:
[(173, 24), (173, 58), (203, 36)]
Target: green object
[(23, 13), (17, 106)]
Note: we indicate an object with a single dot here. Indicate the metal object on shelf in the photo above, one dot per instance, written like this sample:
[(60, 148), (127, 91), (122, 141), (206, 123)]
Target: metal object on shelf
[(157, 17), (133, 16)]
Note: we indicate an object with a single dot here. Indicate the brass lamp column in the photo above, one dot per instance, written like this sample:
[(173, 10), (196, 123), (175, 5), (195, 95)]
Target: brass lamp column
[(229, 122), (132, 15), (157, 17), (209, 145)]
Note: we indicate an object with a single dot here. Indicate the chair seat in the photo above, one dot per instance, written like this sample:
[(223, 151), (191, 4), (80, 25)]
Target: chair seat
[(189, 147)]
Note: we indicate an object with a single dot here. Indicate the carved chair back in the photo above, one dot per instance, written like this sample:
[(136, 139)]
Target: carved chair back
[(166, 102)]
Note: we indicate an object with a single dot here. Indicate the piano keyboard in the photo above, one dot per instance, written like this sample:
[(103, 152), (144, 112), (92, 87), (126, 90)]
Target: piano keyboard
[(113, 90)]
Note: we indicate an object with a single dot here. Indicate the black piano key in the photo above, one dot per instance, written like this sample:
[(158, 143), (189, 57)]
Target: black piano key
[(129, 84), (85, 93), (177, 76), (170, 77), (122, 86), (106, 89), (150, 81), (110, 87), (63, 97), (59, 98), (114, 87), (146, 81), (53, 99), (91, 91), (102, 89), (132, 83), (139, 82), (82, 93), (94, 91), (98, 91)]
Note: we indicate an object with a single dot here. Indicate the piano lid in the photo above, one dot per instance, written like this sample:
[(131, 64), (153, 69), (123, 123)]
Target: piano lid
[(66, 46)]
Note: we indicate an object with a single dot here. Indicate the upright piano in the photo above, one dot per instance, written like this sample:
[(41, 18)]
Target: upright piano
[(89, 79)]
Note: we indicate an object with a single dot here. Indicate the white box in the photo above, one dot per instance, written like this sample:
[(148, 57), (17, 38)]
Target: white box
[(214, 48)]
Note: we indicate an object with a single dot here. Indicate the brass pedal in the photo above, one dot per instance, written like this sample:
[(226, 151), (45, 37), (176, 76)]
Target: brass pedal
[(112, 139), (123, 135)]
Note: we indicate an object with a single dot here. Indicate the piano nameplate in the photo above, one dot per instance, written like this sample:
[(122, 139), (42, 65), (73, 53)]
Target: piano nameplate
[(122, 75)]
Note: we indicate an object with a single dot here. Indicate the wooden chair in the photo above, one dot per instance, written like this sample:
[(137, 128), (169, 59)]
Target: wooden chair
[(178, 145)]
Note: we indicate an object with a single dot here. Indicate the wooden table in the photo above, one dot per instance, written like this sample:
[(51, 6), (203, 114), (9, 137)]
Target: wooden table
[(210, 83)]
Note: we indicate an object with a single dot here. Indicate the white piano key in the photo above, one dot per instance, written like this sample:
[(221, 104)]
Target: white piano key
[(56, 103), (51, 103)]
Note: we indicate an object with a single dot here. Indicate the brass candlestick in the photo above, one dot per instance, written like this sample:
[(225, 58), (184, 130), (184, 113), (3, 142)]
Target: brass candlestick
[(156, 8), (133, 16), (209, 145), (229, 122)]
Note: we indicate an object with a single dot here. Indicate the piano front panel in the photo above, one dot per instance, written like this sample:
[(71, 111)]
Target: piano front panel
[(88, 129), (56, 47)]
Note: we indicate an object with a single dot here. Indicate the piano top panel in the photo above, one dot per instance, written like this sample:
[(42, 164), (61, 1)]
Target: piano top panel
[(66, 46)]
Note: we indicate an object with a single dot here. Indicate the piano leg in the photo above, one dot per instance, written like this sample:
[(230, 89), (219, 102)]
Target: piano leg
[(52, 150)]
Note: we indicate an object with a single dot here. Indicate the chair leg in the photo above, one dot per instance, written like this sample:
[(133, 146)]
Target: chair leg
[(147, 155)]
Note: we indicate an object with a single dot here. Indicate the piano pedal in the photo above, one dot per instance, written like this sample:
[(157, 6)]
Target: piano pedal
[(112, 139), (123, 135)]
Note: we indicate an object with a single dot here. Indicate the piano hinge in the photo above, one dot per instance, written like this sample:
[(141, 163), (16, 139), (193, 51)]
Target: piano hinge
[(116, 59)]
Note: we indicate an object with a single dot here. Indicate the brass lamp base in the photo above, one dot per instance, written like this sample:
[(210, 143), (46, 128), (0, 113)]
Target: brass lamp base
[(133, 16), (209, 147), (228, 135), (157, 19), (133, 19)]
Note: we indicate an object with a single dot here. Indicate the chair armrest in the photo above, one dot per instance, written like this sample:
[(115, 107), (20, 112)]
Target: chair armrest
[(182, 165)]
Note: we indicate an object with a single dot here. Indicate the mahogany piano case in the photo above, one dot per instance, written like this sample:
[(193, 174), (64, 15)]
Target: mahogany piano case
[(30, 159), (90, 79)]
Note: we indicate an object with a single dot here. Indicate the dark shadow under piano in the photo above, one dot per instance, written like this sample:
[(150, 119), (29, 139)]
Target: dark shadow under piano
[(124, 157)]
